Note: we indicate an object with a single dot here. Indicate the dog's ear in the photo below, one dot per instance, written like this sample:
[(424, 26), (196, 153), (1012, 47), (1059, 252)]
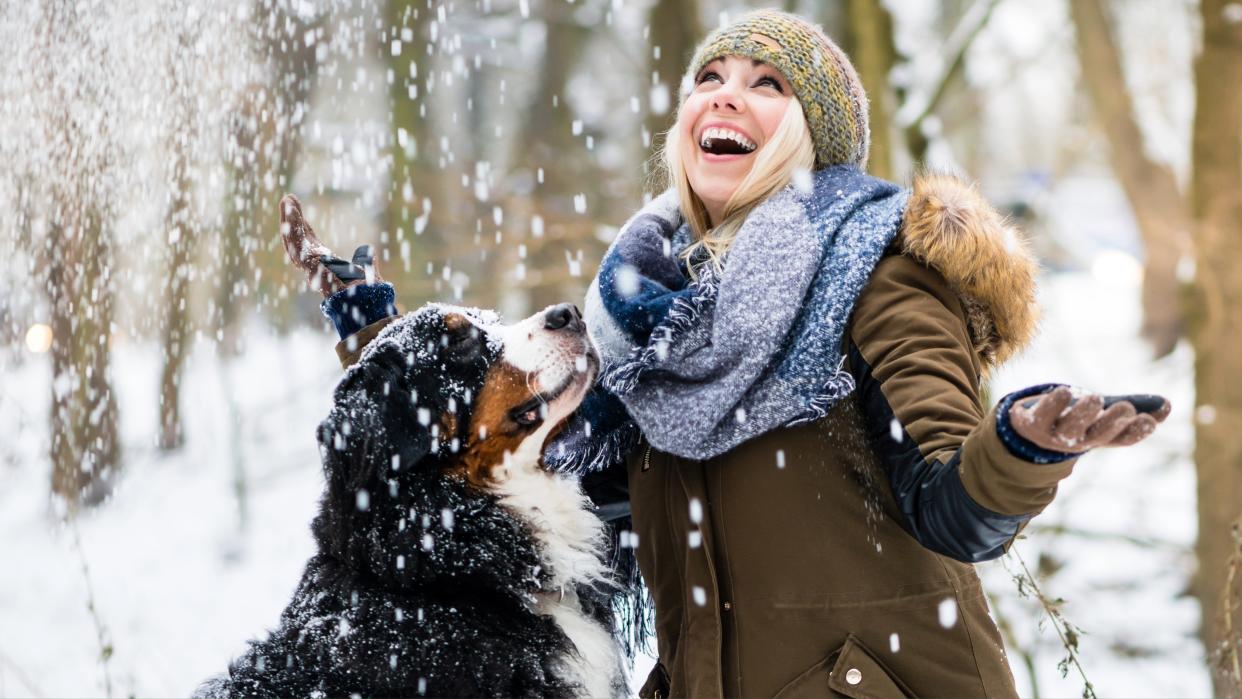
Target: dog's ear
[(376, 428), (371, 436)]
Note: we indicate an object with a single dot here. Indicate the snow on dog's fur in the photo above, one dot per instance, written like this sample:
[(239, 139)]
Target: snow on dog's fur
[(450, 562)]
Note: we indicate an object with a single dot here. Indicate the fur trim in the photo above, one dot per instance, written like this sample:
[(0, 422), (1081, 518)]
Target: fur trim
[(950, 227)]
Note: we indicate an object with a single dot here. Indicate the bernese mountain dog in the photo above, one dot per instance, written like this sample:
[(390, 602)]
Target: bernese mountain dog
[(450, 562)]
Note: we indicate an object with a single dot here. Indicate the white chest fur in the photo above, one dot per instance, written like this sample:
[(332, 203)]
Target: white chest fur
[(570, 539), (597, 665)]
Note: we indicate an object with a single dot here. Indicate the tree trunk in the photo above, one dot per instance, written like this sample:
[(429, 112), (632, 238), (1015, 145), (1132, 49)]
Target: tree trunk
[(85, 448), (1151, 187), (1227, 667), (874, 52), (176, 301), (424, 207), (548, 145), (265, 141), (181, 238), (237, 236), (1216, 316), (957, 45), (674, 30)]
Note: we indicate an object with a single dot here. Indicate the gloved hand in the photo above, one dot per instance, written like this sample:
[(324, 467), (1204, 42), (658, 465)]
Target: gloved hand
[(324, 272), (1065, 422)]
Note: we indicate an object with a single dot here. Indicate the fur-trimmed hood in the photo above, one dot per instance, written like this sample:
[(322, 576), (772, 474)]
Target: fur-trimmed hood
[(950, 227)]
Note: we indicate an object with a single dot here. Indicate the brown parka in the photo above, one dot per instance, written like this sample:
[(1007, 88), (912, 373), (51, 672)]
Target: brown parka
[(785, 567)]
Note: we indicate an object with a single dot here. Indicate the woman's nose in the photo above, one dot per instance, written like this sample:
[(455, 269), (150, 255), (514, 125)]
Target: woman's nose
[(729, 96)]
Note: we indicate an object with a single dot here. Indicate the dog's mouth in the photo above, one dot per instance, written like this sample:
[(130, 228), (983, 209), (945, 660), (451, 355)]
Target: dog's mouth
[(585, 369)]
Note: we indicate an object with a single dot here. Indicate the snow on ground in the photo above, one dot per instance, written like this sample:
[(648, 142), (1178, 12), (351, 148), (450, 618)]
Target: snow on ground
[(178, 588), (1122, 527), (175, 584)]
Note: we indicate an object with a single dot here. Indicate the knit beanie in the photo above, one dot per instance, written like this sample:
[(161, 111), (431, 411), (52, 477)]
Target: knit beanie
[(823, 79)]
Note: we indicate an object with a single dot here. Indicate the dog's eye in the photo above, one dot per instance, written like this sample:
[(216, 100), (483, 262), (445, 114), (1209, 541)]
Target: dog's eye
[(530, 413)]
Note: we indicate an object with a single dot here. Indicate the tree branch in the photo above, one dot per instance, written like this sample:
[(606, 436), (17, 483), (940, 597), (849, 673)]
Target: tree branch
[(959, 42)]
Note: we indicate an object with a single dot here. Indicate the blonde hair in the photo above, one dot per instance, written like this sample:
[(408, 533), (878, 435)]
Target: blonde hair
[(790, 149)]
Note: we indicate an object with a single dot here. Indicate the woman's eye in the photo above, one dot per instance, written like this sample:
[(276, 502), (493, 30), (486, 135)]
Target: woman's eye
[(709, 75), (771, 82)]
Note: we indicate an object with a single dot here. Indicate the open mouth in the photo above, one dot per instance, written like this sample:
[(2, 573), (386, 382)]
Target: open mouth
[(719, 141), (586, 365)]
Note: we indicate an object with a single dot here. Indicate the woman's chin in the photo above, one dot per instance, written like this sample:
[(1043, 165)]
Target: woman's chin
[(718, 181)]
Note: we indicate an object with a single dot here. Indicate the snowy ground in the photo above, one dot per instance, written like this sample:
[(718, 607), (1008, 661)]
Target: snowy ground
[(1119, 534), (178, 588)]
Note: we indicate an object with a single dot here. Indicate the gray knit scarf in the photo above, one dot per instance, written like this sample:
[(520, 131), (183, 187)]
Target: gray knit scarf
[(702, 366)]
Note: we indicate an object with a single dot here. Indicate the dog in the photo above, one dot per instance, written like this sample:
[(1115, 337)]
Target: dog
[(450, 562)]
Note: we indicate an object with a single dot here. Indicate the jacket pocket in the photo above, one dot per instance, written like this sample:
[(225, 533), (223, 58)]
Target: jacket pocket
[(657, 684), (851, 671)]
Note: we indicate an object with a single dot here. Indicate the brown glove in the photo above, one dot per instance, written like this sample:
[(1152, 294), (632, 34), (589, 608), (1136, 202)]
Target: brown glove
[(324, 272), (1061, 421)]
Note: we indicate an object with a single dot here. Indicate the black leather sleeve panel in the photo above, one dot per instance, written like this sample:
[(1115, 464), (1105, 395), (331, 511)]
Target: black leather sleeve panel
[(937, 510)]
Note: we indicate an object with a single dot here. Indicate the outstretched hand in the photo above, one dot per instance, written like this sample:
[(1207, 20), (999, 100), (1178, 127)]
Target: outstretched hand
[(324, 272), (1061, 421)]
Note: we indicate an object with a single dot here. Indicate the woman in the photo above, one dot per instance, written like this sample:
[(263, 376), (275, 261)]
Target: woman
[(799, 349)]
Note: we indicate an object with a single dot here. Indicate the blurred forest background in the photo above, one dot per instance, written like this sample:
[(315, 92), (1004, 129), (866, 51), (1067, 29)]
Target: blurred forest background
[(154, 341)]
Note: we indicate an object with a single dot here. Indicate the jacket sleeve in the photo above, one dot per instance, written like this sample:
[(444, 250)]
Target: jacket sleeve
[(349, 350), (359, 313), (964, 481)]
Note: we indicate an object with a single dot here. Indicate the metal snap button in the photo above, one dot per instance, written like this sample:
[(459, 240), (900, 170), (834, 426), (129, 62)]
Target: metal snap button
[(728, 606), (853, 675)]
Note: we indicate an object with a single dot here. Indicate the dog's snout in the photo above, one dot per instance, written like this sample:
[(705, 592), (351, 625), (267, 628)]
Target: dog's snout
[(563, 316)]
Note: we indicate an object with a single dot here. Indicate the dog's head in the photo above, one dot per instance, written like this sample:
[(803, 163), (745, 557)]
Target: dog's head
[(426, 424)]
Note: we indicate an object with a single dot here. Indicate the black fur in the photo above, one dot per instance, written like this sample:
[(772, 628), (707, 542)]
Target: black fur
[(403, 599)]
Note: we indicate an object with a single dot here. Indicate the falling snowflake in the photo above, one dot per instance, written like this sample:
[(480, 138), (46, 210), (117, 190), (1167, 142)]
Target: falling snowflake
[(700, 596), (947, 612)]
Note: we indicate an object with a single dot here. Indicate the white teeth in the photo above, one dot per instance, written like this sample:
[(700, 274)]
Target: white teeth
[(716, 132)]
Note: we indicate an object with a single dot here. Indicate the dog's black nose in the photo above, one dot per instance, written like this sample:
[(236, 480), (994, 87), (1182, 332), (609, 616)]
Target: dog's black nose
[(563, 316)]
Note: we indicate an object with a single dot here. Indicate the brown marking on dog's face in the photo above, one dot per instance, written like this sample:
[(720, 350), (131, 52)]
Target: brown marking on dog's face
[(545, 366), (501, 419), (448, 424), (457, 323)]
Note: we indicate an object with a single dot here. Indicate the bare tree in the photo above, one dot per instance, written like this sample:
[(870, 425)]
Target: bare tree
[(264, 144), (548, 147), (1215, 315), (181, 237), (85, 449), (1212, 214), (675, 29), (869, 42), (425, 206), (1150, 186), (1227, 665)]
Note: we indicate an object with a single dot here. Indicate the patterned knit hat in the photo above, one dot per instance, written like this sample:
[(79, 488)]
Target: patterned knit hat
[(822, 76)]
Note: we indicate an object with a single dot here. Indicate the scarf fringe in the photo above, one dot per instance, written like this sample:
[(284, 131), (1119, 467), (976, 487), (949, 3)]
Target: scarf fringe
[(684, 312), (599, 452), (632, 606), (839, 386)]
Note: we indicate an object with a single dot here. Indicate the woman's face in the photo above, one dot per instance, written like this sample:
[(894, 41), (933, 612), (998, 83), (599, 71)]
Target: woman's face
[(734, 109)]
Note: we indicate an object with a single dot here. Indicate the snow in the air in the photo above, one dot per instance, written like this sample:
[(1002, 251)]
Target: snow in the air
[(199, 549)]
